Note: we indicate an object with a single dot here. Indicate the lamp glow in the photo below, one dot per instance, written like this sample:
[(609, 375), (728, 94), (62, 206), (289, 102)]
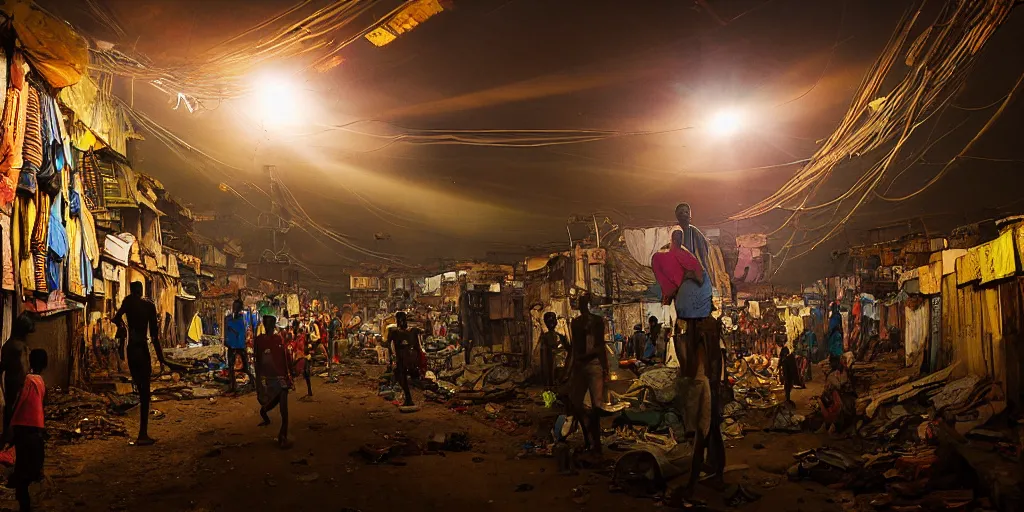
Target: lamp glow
[(278, 100), (726, 122)]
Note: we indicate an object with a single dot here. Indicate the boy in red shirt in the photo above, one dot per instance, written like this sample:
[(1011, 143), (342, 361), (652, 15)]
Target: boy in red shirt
[(26, 431), (301, 353), (274, 376)]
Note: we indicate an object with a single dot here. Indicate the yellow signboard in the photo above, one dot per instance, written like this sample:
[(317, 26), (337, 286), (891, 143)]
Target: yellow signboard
[(403, 21)]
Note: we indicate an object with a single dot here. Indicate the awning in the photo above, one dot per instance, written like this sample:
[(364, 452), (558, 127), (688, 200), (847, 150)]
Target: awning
[(144, 201), (182, 294), (118, 248)]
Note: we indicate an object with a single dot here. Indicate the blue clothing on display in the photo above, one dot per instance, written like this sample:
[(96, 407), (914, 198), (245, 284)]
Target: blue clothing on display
[(234, 331), (57, 245), (810, 340), (650, 349), (835, 332), (835, 343)]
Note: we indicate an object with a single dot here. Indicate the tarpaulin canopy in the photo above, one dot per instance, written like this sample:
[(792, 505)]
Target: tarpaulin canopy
[(53, 48)]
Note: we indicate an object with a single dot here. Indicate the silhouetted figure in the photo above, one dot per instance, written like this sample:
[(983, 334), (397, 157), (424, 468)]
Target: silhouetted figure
[(14, 363), (141, 316), (588, 371), (404, 344), (274, 376), (549, 342), (704, 364), (27, 433)]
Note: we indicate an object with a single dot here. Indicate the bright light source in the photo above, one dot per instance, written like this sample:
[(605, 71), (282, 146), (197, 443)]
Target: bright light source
[(726, 122), (279, 100)]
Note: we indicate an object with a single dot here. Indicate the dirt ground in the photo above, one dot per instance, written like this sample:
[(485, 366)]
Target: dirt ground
[(211, 456)]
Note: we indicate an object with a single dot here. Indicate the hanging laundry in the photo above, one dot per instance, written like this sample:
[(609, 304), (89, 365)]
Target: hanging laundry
[(869, 306), (90, 245), (76, 283), (754, 308), (719, 273), (750, 263), (32, 149), (916, 334), (6, 252), (12, 139), (50, 174), (195, 329), (643, 244), (57, 246), (91, 181), (38, 247)]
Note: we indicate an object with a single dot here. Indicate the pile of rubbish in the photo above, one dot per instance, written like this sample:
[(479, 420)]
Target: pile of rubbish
[(397, 445), (755, 381), (912, 476), (79, 415), (917, 406), (510, 418), (198, 365), (185, 392)]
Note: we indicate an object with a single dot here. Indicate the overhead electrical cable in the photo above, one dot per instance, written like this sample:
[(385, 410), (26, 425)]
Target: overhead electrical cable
[(879, 124), (223, 74)]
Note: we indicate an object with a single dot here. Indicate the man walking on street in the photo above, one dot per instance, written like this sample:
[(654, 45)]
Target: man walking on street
[(404, 344), (274, 375), (234, 341), (141, 315), (589, 369)]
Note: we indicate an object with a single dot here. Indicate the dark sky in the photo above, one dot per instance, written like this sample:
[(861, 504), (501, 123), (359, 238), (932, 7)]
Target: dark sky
[(640, 65)]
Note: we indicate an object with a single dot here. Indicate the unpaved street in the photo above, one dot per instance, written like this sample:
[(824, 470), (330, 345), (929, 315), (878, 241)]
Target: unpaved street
[(212, 456)]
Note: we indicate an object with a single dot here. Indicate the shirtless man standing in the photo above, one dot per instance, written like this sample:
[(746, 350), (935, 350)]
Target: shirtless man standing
[(588, 371), (404, 344), (549, 342), (141, 315)]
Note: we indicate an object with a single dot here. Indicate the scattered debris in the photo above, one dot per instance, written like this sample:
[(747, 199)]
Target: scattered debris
[(736, 495), (308, 477), (580, 495)]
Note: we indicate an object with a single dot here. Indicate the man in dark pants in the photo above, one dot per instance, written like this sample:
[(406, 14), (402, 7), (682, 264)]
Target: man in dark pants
[(653, 334), (14, 364), (704, 352), (634, 346), (141, 315), (234, 341), (275, 376), (404, 344), (549, 342), (589, 369)]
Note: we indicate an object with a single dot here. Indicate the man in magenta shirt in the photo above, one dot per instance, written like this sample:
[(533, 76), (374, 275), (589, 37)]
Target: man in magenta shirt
[(274, 376)]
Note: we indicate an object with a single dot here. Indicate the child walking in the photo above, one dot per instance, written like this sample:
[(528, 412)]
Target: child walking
[(26, 432)]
